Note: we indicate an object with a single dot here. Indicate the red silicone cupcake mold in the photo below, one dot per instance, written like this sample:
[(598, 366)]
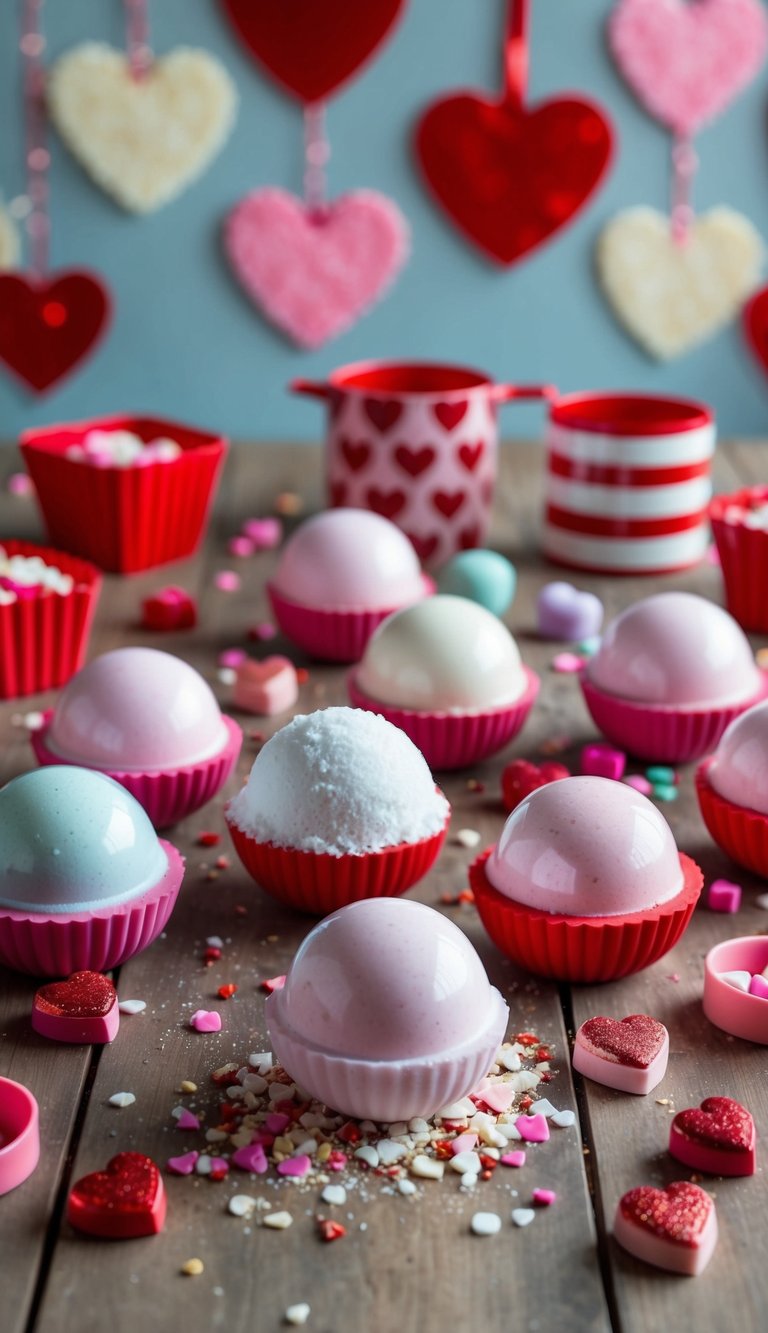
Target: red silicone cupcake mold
[(582, 948), (166, 796), (331, 636), (125, 519), (455, 740), (45, 637), (743, 555), (740, 832)]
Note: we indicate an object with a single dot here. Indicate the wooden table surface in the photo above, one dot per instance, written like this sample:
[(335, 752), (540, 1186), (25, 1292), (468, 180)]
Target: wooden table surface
[(406, 1263)]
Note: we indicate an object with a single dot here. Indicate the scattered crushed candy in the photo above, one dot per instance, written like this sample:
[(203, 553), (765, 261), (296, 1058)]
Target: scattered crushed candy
[(122, 1099), (522, 1217), (131, 1006), (485, 1224), (297, 1315), (205, 1020), (193, 1268)]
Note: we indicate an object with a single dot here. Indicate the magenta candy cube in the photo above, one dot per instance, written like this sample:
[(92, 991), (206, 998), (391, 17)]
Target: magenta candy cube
[(603, 761), (759, 986), (723, 896)]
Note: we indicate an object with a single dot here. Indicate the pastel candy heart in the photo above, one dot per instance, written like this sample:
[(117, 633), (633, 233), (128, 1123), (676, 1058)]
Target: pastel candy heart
[(184, 1164), (313, 275), (170, 608), (675, 1228), (565, 612), (82, 1009), (685, 62), (267, 687), (533, 1128), (251, 1158), (630, 1055), (125, 1200), (718, 1137), (143, 140), (206, 1020)]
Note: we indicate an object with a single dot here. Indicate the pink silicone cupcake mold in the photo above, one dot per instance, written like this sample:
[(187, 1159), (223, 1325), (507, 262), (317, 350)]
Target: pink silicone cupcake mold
[(19, 1134), (330, 636), (734, 1010)]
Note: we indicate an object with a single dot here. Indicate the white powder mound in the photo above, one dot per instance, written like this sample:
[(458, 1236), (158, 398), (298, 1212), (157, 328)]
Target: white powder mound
[(340, 780)]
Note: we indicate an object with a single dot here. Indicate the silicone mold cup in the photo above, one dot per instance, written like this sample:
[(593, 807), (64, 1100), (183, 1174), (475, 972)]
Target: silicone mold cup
[(168, 795), (19, 1134), (319, 883), (583, 948), (455, 740), (673, 735), (331, 636), (45, 637), (726, 1006), (125, 519), (740, 832), (58, 944), (743, 555)]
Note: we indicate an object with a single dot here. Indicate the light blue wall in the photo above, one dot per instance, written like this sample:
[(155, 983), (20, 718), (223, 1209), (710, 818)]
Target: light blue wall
[(186, 342)]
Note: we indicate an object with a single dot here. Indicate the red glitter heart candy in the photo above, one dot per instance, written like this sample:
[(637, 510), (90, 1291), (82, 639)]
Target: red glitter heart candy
[(169, 609), (125, 1200), (83, 995), (48, 325), (679, 1213), (634, 1041), (521, 777), (719, 1122)]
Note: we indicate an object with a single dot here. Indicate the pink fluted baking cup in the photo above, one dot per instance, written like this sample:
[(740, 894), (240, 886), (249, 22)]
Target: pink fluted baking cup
[(56, 945), (19, 1134), (743, 555), (672, 735), (455, 740), (387, 1090), (44, 638), (726, 1006), (740, 832), (169, 796), (319, 883), (583, 948), (332, 636)]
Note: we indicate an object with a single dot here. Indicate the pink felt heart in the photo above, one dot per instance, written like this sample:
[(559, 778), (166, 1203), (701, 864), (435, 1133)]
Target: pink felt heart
[(686, 61), (314, 274)]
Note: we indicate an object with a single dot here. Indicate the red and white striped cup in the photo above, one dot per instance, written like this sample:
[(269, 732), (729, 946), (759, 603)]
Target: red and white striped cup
[(627, 482)]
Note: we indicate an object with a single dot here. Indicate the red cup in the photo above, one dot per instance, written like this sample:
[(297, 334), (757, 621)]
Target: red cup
[(416, 442)]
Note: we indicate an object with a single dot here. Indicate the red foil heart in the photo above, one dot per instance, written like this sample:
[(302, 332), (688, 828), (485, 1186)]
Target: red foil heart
[(634, 1041), (125, 1200), (48, 325), (312, 48), (720, 1123), (509, 177), (83, 995), (679, 1213)]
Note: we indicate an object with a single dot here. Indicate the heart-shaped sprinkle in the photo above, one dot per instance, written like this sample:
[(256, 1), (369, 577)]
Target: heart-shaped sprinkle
[(266, 688), (533, 1128), (565, 612), (183, 1165), (522, 1217), (634, 1041), (516, 1158), (186, 1120), (125, 1200), (251, 1158), (564, 1119), (205, 1020), (295, 1166), (132, 1007), (678, 1213)]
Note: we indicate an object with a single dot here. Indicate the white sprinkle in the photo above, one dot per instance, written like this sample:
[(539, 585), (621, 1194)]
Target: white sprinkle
[(261, 1061), (281, 1092), (367, 1154), (131, 1006), (390, 1152), (215, 942), (485, 1224), (397, 1130), (203, 1165), (253, 1082), (219, 1135), (741, 980), (278, 1221), (525, 1081), (465, 1161), (334, 1194), (762, 901), (418, 1126), (226, 675), (241, 1205), (122, 1099), (522, 1217), (467, 837), (469, 1180), (457, 1110), (564, 1119), (406, 1186), (34, 721), (426, 1167), (297, 1314), (543, 1107), (509, 1060)]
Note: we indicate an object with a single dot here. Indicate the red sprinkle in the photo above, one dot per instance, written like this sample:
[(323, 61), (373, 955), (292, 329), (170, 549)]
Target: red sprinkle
[(349, 1133), (330, 1230), (208, 839), (226, 992), (302, 675), (222, 863), (488, 1163), (211, 955), (527, 1039)]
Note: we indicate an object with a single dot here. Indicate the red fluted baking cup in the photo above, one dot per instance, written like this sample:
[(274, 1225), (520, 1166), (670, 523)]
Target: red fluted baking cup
[(455, 740), (56, 945), (332, 636), (740, 832), (743, 555), (726, 1006), (167, 796), (387, 1090), (319, 883), (44, 638), (19, 1134), (669, 735), (583, 948), (125, 519)]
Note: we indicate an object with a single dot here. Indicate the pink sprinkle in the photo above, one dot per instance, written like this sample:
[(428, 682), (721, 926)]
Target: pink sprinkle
[(184, 1165), (567, 663), (273, 983), (724, 896), (603, 761), (639, 783), (513, 1158), (240, 547), (263, 533), (227, 580), (219, 1168), (673, 976), (187, 1120), (205, 1020), (759, 986), (337, 1160), (262, 632), (295, 1166), (463, 1143), (232, 657), (20, 484), (276, 1122), (544, 1196), (497, 1097), (533, 1128), (251, 1158)]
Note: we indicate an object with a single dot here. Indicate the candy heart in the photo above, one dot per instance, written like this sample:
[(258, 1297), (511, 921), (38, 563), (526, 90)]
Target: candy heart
[(509, 177), (520, 778), (718, 1137), (267, 687), (565, 612), (10, 246), (143, 140), (685, 62), (671, 296), (47, 325), (630, 1055), (82, 1009), (314, 274), (170, 608), (251, 1158), (312, 49), (675, 1228), (125, 1200)]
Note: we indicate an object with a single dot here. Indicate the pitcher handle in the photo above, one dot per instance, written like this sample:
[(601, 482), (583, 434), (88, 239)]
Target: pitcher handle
[(508, 393), (314, 388)]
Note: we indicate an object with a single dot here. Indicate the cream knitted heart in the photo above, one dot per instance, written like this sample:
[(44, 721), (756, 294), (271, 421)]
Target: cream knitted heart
[(142, 140), (669, 296), (10, 247)]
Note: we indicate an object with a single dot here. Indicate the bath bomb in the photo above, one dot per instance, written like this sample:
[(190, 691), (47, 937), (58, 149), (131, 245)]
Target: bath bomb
[(739, 771), (348, 560)]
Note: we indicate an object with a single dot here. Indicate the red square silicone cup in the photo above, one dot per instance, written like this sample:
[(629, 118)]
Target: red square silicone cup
[(319, 883), (583, 948), (19, 1134), (331, 636), (45, 636), (455, 740), (125, 519), (743, 555), (726, 1006), (741, 833)]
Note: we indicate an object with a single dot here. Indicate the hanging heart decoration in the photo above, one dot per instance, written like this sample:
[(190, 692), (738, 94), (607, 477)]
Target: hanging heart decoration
[(312, 48), (755, 320), (509, 176), (10, 245), (313, 273), (686, 60), (48, 324), (142, 139)]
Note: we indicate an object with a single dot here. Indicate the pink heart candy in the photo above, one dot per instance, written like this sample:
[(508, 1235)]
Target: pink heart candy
[(187, 1120), (205, 1020), (532, 1128), (516, 1158), (251, 1158), (295, 1166), (183, 1165), (313, 275)]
